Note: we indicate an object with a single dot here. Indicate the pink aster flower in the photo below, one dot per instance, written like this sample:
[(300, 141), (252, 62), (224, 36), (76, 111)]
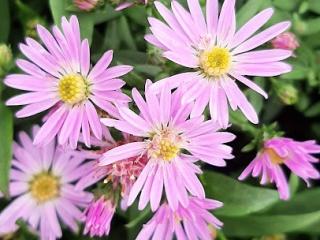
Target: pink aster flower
[(42, 185), (86, 5), (286, 40), (98, 216), (219, 55), (58, 73), (192, 222), (121, 174), (172, 143), (284, 151)]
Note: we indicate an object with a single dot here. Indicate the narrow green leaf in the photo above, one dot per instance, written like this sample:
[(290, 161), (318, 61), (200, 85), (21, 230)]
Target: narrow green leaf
[(238, 198), (58, 9), (5, 20), (313, 111), (125, 33), (264, 225), (314, 5), (6, 136), (86, 26), (286, 5)]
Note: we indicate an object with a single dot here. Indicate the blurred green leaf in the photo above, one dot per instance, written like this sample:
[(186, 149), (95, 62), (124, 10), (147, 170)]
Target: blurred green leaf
[(86, 26), (286, 5), (125, 33), (248, 10), (273, 224), (58, 9), (138, 15), (6, 136), (5, 20), (304, 202), (313, 111), (314, 5), (238, 198)]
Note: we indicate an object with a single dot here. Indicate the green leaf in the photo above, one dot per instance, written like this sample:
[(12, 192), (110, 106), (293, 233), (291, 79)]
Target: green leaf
[(248, 10), (58, 9), (297, 214), (86, 26), (314, 5), (264, 225), (303, 202), (286, 5), (5, 20), (238, 198), (6, 136), (125, 33), (313, 111)]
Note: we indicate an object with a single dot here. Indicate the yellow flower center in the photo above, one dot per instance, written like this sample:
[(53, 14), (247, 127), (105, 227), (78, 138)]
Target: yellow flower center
[(44, 187), (274, 157), (164, 145), (215, 62), (73, 88), (167, 150)]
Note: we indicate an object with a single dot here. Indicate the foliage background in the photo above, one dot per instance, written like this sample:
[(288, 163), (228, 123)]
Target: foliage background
[(250, 211)]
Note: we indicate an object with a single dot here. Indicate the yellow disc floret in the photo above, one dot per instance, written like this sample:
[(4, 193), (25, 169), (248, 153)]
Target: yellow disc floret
[(274, 157), (167, 150), (73, 88), (215, 62), (44, 187)]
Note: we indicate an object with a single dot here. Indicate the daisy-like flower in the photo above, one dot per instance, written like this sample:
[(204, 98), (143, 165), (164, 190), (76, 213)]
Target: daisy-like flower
[(218, 54), (192, 222), (98, 217), (58, 76), (121, 174), (42, 183), (284, 151), (172, 143)]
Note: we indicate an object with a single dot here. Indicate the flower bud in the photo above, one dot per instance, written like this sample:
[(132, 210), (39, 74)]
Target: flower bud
[(286, 41), (5, 58), (86, 5), (288, 94)]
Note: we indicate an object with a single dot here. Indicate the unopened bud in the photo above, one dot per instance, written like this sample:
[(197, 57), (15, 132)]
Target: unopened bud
[(5, 58), (286, 41), (288, 94), (86, 5)]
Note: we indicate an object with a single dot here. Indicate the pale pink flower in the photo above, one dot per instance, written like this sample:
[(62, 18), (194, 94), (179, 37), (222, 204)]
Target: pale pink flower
[(42, 185), (172, 143), (58, 76), (191, 222), (286, 41), (218, 54), (121, 174), (86, 5), (284, 151), (98, 216)]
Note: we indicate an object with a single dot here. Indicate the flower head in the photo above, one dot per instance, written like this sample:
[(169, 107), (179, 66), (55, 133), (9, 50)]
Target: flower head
[(191, 222), (172, 143), (218, 53), (98, 216), (58, 76), (286, 40), (284, 151), (42, 183)]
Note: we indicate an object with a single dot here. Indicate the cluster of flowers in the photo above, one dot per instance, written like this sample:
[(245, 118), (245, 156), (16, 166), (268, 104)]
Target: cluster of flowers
[(159, 152)]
